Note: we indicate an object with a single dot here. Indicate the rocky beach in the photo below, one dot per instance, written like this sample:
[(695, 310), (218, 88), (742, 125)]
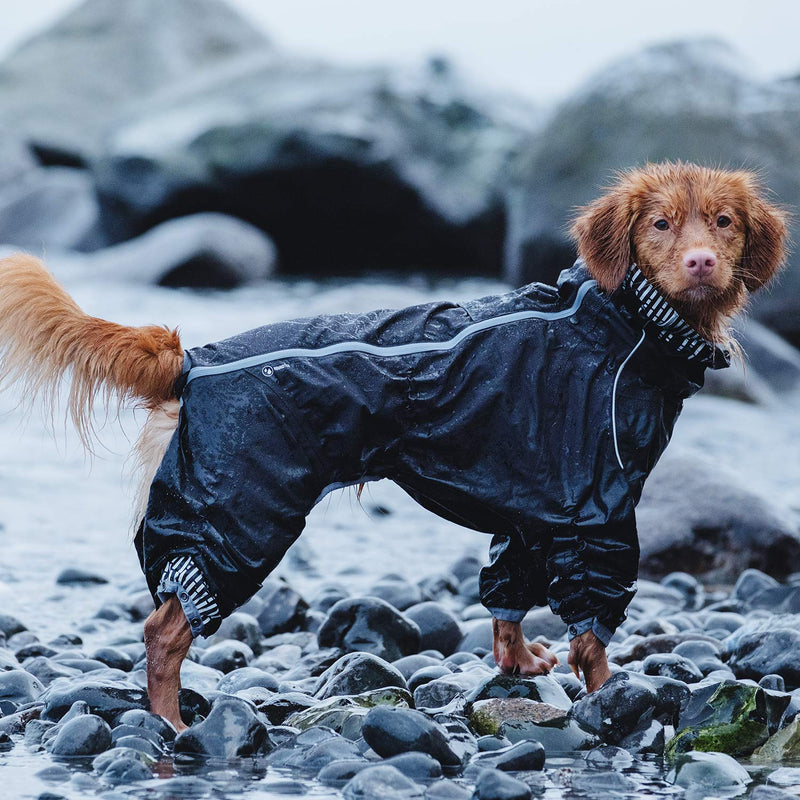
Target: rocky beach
[(204, 179)]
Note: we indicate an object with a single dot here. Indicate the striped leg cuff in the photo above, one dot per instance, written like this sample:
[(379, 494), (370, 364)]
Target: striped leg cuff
[(182, 578)]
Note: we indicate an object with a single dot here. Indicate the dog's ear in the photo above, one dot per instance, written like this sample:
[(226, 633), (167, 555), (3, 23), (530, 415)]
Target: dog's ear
[(602, 232), (765, 242)]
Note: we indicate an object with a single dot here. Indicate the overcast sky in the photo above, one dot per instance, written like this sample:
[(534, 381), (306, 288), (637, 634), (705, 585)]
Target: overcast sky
[(540, 48)]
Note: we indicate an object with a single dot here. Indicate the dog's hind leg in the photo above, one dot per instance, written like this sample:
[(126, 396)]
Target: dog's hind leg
[(167, 638)]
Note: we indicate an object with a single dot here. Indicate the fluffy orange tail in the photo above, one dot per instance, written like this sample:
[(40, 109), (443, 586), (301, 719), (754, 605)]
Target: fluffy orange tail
[(44, 335)]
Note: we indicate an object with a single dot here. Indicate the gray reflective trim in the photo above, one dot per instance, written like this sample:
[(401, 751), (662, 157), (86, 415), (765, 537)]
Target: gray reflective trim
[(389, 351), (614, 400)]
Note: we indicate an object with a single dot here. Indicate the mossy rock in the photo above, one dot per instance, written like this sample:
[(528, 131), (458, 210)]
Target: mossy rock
[(735, 719), (520, 719), (784, 745)]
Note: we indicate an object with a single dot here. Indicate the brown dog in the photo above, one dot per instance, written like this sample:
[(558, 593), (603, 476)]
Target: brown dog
[(703, 237)]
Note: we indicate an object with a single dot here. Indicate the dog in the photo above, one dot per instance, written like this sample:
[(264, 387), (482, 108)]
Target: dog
[(534, 416)]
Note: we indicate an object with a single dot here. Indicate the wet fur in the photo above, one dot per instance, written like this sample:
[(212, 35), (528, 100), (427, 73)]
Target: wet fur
[(618, 229)]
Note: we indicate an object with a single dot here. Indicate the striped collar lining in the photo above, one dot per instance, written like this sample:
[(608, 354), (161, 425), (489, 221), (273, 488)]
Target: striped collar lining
[(667, 325)]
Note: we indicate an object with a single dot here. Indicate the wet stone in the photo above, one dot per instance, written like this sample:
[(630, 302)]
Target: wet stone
[(368, 624), (785, 776), (491, 742), (345, 715), (408, 665), (623, 703), (139, 718), (439, 629), (10, 625), (85, 735), (751, 582), (55, 773), (337, 773), (447, 790), (140, 743), (319, 755), (672, 665), (525, 755), (227, 656), (692, 590), (495, 785), (773, 682), (128, 731), (517, 718), (107, 700), (426, 675), (390, 731), (609, 757), (771, 793), (280, 707), (355, 673), (447, 690), (246, 678), (646, 739), (756, 653), (396, 591), (17, 686), (122, 765), (417, 766), (73, 576), (382, 781), (33, 650), (283, 608), (231, 729), (242, 627), (6, 742), (328, 596), (705, 655), (711, 772), (35, 731), (542, 689), (114, 658)]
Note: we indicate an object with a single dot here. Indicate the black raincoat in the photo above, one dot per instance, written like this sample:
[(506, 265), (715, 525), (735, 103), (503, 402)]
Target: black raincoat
[(534, 416)]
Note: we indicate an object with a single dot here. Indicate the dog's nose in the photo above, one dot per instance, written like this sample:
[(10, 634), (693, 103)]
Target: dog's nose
[(699, 262)]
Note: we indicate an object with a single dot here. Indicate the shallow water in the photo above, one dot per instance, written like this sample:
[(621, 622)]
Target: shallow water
[(60, 509)]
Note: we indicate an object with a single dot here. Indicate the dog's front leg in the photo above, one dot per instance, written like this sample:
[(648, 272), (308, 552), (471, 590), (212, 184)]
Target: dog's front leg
[(514, 656), (587, 654), (167, 638)]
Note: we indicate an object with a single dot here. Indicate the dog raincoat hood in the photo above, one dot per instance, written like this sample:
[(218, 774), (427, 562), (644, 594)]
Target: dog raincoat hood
[(534, 416)]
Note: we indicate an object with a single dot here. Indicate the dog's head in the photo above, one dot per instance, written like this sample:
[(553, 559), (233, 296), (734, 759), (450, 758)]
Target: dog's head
[(704, 237)]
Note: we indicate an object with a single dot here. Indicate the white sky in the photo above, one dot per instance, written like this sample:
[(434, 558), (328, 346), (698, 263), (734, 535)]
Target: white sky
[(538, 48)]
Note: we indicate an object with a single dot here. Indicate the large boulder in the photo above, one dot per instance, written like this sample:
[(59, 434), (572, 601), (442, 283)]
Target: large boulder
[(50, 209), (64, 85), (695, 516), (694, 101), (347, 168)]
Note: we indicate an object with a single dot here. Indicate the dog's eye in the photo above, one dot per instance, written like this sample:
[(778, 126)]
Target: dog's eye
[(661, 224), (723, 221)]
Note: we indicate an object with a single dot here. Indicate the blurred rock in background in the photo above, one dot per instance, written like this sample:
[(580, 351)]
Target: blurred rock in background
[(691, 101)]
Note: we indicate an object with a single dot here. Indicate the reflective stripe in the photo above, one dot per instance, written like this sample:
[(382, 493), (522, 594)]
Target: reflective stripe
[(614, 399), (389, 351)]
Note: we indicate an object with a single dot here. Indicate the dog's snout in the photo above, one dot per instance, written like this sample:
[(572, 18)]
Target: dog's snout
[(699, 262)]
